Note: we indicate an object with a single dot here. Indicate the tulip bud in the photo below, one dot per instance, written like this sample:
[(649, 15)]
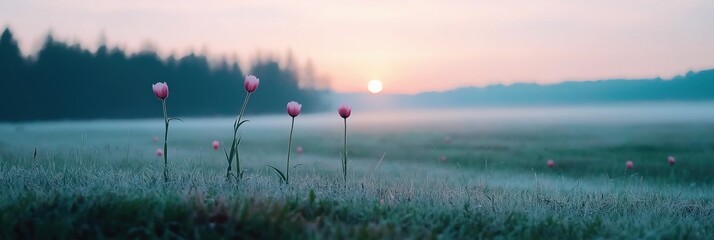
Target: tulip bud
[(344, 111), (294, 108), (161, 90), (251, 83)]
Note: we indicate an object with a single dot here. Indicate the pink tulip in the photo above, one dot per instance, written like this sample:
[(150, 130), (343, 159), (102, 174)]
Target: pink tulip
[(299, 150), (671, 160), (629, 165), (159, 152), (161, 90), (294, 108), (251, 83), (216, 144), (447, 140), (551, 163), (293, 111), (344, 111), (442, 159)]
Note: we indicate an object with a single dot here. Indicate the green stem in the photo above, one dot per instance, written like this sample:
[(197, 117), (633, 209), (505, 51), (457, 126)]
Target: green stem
[(344, 152), (242, 109), (234, 146), (166, 137), (290, 143)]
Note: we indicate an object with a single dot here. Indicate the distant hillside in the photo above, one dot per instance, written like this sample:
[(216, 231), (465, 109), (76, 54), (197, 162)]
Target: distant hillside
[(694, 86)]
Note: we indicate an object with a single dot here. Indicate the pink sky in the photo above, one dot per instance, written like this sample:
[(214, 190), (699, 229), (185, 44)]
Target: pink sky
[(411, 46)]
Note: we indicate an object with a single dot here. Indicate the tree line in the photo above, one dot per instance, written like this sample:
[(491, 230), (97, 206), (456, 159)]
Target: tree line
[(67, 81)]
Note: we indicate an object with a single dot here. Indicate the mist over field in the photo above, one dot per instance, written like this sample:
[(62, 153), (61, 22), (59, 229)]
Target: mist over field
[(322, 119), (480, 170)]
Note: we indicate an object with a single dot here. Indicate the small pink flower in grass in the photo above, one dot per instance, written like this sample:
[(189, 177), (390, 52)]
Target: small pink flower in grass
[(161, 90), (629, 165), (251, 83), (159, 152), (551, 163), (215, 144), (447, 140), (344, 111), (442, 158), (299, 150), (671, 160), (294, 109)]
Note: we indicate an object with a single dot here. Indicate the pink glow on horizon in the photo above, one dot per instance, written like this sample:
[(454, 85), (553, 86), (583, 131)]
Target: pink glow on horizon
[(436, 47)]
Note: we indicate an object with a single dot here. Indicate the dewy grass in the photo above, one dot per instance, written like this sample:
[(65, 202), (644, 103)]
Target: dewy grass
[(201, 205), (101, 187)]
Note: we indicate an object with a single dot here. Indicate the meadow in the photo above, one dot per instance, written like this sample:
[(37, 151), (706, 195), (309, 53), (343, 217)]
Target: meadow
[(431, 174)]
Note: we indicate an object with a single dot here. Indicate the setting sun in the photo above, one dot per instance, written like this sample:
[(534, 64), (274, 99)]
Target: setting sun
[(374, 86)]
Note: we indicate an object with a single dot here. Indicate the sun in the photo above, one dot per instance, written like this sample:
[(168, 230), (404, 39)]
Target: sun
[(374, 86)]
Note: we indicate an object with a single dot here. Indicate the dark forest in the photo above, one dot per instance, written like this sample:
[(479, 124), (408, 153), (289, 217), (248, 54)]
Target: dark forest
[(66, 81)]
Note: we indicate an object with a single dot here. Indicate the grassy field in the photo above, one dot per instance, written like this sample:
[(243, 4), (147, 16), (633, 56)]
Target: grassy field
[(102, 179)]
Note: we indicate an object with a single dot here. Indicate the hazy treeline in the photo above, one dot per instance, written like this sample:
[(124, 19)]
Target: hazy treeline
[(692, 86), (66, 81)]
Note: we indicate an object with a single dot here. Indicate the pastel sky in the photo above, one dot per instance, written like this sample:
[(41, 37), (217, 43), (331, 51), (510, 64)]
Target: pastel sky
[(412, 46)]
